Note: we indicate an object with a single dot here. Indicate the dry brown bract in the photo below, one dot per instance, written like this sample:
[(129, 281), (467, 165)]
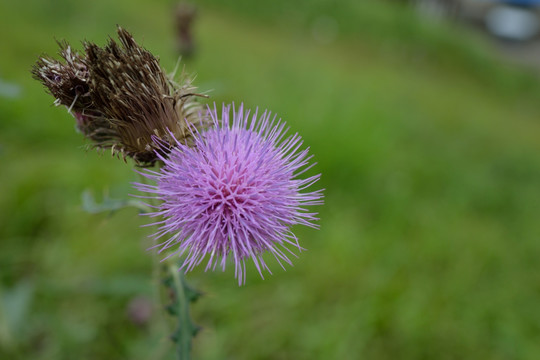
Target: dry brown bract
[(121, 98)]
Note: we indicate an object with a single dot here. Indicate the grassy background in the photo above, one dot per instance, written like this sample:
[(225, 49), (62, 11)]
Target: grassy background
[(427, 144)]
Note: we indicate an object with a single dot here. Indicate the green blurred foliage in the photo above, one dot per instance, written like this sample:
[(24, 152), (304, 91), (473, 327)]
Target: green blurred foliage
[(428, 146)]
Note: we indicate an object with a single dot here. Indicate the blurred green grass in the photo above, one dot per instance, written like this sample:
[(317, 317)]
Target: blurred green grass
[(428, 148)]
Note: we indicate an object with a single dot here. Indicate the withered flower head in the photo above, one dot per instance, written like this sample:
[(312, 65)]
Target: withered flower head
[(121, 97)]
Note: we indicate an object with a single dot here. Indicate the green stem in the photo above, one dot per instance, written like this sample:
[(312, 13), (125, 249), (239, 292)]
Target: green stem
[(185, 327), (181, 295)]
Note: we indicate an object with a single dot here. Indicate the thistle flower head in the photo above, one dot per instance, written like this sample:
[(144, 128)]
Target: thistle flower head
[(120, 97), (235, 193)]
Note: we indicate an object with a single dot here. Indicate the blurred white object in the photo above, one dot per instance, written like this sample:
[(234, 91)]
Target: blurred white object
[(9, 90), (512, 22)]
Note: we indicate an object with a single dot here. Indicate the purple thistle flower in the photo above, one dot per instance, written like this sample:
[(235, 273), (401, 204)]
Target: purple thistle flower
[(234, 192)]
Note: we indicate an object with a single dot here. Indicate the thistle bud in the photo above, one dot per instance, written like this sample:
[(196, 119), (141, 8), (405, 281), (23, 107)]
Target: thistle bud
[(121, 98)]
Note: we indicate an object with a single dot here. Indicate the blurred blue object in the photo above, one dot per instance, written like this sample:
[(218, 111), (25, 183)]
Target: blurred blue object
[(527, 3)]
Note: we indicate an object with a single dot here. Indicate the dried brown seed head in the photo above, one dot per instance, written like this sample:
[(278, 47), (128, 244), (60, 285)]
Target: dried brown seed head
[(121, 98)]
